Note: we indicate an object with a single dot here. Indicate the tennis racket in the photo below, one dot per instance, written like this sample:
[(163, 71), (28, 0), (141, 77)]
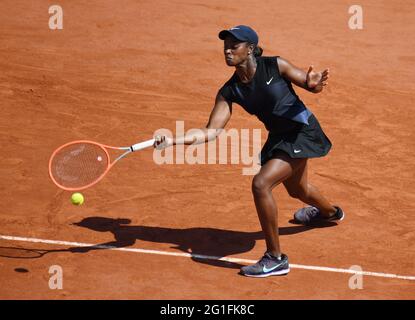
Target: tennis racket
[(78, 165)]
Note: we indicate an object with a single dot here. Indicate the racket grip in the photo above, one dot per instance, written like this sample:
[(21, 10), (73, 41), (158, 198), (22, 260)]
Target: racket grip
[(142, 145)]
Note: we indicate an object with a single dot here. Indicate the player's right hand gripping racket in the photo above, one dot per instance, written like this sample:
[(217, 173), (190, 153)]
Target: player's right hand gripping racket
[(78, 165)]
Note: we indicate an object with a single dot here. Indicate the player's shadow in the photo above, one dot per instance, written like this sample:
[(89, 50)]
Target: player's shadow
[(195, 241)]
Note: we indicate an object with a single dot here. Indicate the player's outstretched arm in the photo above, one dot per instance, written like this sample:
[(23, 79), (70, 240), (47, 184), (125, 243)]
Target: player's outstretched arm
[(310, 80), (218, 119)]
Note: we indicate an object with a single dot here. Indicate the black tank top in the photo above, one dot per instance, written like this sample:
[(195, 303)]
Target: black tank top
[(268, 96)]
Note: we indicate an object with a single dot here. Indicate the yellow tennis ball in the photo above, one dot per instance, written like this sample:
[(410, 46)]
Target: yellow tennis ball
[(77, 199)]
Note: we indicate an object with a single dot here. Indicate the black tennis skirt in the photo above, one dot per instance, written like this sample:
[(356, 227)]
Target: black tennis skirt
[(308, 141)]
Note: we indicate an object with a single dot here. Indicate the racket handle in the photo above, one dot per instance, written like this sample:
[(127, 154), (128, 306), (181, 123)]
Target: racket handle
[(142, 145)]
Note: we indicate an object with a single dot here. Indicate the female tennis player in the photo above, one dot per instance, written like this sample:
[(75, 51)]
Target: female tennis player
[(263, 87)]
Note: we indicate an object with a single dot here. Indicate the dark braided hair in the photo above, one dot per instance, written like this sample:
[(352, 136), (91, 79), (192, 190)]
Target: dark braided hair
[(258, 51)]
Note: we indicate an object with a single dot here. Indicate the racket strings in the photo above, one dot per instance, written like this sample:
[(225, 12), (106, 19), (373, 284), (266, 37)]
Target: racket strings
[(79, 164)]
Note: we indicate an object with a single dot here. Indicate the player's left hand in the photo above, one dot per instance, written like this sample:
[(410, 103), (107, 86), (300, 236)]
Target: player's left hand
[(317, 80)]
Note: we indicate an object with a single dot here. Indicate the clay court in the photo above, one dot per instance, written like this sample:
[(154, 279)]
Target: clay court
[(118, 71)]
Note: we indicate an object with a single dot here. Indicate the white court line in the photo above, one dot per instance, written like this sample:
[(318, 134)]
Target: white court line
[(201, 256)]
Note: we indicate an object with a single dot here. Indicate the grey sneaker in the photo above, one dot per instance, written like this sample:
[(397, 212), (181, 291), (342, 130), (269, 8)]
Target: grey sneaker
[(311, 215), (267, 266)]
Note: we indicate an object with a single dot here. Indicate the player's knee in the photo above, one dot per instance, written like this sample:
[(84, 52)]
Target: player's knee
[(299, 192), (259, 184)]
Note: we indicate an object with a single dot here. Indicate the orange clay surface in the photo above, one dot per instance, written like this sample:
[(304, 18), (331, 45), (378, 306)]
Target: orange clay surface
[(118, 71)]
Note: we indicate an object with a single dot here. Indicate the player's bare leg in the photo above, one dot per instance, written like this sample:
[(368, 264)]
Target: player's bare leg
[(298, 187), (271, 174)]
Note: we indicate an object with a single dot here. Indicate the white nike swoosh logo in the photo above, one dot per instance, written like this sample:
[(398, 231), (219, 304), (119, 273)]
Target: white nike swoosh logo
[(268, 82), (265, 269), (297, 151)]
